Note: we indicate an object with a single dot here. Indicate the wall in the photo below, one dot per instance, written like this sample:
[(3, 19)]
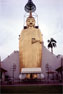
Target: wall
[(50, 59), (47, 57), (8, 62)]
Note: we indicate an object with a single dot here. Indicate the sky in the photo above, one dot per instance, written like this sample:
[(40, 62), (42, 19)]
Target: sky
[(50, 21)]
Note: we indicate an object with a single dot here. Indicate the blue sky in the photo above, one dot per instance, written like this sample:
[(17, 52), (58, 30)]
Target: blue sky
[(50, 20)]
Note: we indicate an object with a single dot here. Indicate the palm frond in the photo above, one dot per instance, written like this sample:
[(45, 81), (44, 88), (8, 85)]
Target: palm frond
[(53, 40), (50, 45), (48, 40), (54, 44)]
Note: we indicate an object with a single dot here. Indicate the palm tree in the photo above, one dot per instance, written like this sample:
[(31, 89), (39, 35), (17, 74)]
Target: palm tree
[(51, 44)]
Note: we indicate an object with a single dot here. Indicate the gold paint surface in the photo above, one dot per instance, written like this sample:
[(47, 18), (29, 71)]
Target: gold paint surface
[(30, 48)]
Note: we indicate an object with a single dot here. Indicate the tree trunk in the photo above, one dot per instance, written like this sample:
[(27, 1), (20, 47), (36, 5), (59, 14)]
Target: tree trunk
[(52, 50)]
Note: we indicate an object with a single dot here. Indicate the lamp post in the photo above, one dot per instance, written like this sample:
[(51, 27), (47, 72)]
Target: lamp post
[(61, 69), (13, 70), (0, 61), (47, 68)]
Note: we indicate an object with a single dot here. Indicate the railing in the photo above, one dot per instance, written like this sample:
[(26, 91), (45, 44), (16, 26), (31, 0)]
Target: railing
[(30, 81)]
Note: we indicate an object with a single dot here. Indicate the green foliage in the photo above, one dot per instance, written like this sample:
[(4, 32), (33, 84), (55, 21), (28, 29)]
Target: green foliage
[(51, 44)]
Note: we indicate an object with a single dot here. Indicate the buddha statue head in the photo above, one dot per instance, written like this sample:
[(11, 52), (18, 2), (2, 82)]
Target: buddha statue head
[(30, 22)]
